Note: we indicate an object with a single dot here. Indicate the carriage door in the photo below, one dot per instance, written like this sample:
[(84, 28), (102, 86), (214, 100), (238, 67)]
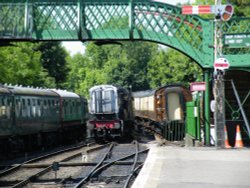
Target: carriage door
[(160, 107), (174, 107), (175, 125)]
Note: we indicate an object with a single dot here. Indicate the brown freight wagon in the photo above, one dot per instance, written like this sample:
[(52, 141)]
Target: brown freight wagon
[(163, 109)]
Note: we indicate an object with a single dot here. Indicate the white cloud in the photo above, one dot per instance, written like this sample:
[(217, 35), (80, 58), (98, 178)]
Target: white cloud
[(74, 47)]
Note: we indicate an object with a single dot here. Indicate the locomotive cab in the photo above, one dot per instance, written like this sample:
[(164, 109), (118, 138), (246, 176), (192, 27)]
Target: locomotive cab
[(110, 111)]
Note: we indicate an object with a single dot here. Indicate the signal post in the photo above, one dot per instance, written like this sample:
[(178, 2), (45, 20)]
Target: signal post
[(222, 13)]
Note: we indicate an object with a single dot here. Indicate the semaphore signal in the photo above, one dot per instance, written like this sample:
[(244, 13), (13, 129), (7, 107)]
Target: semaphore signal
[(224, 12), (199, 9)]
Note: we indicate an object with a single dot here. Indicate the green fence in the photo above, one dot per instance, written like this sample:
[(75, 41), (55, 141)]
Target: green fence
[(193, 120), (174, 130)]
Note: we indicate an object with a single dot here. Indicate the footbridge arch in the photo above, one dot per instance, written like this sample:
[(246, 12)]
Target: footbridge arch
[(149, 20)]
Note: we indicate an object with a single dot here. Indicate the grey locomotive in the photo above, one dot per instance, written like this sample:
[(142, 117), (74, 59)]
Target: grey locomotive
[(111, 113)]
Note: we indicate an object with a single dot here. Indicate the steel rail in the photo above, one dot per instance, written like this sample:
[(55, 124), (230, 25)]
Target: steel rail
[(16, 167), (131, 175), (47, 169), (107, 154), (114, 161), (136, 155), (134, 164)]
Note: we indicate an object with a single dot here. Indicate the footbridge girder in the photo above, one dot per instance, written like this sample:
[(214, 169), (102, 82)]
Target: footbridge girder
[(117, 20)]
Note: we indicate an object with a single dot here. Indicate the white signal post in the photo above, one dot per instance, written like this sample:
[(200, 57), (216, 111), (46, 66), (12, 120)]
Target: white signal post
[(222, 13)]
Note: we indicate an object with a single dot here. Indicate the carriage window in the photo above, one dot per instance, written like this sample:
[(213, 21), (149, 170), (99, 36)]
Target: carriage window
[(8, 108), (103, 101), (3, 108), (18, 107), (23, 108), (70, 107), (0, 108), (65, 106), (33, 102), (28, 102), (53, 102), (38, 102)]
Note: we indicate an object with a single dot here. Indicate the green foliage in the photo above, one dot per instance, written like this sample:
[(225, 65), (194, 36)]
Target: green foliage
[(53, 59), (241, 8), (96, 54), (171, 66), (138, 64), (20, 64), (127, 65), (82, 74), (124, 65)]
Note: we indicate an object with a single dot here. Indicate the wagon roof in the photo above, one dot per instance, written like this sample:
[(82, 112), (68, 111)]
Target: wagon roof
[(31, 91), (106, 86), (146, 93), (4, 90), (150, 92), (65, 94)]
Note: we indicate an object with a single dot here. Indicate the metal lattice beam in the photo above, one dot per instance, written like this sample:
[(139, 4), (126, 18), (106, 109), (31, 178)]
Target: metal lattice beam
[(86, 20)]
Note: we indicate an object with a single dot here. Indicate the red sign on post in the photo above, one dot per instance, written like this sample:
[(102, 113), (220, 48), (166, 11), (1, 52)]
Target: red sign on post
[(221, 64), (198, 86)]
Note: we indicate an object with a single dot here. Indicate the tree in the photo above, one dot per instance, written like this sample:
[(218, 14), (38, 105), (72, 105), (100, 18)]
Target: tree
[(53, 58), (241, 8), (20, 64), (127, 64), (82, 74), (170, 66)]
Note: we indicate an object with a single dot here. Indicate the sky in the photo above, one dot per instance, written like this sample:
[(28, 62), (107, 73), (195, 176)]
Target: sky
[(78, 47)]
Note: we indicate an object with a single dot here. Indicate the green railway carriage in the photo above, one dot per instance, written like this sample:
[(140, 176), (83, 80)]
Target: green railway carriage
[(73, 107), (33, 117), (5, 112), (35, 110)]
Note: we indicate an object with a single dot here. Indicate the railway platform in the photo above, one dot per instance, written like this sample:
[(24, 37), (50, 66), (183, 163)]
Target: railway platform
[(194, 167)]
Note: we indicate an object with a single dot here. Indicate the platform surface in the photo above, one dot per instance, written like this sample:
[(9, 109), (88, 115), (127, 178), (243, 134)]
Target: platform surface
[(194, 167)]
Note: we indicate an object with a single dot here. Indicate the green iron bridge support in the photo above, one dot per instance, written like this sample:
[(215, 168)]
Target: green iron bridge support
[(85, 20), (97, 20)]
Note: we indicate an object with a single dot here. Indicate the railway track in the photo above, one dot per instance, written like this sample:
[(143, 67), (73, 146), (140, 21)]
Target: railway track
[(20, 175), (80, 167)]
